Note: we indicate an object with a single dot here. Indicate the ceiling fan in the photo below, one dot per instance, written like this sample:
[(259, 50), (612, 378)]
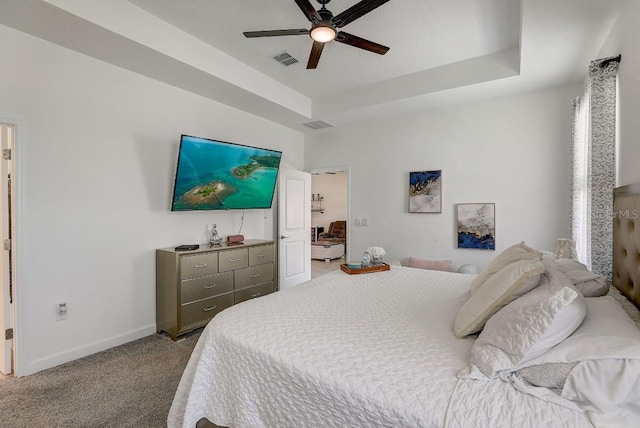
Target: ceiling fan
[(324, 28)]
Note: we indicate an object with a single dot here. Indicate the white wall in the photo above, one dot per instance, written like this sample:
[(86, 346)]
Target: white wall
[(97, 153), (333, 188), (512, 151)]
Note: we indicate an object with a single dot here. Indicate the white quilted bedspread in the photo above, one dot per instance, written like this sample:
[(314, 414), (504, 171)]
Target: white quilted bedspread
[(373, 350)]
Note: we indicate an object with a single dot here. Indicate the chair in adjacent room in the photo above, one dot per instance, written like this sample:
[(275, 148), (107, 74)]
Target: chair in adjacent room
[(337, 232)]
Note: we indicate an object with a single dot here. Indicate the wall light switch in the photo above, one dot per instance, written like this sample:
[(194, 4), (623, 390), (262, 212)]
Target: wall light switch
[(357, 222), (365, 222)]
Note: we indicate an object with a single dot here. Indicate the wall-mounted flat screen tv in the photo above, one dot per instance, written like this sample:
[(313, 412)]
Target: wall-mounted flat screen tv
[(216, 175)]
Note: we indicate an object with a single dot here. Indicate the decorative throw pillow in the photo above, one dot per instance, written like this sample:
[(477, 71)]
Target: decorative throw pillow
[(506, 285), (443, 265), (529, 326), (551, 375), (512, 254), (588, 283)]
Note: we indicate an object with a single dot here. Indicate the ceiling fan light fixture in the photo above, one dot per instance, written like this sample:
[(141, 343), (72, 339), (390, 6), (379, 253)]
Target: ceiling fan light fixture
[(323, 33), (324, 28)]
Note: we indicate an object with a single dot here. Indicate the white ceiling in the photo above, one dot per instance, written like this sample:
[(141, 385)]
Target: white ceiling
[(442, 52), (421, 34)]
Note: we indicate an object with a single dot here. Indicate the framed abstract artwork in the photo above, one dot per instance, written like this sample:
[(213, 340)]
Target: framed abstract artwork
[(476, 226), (425, 192)]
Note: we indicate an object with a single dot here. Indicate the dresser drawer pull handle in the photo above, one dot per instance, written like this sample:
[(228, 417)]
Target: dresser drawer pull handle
[(206, 287), (261, 255), (233, 260), (209, 309), (255, 294), (200, 266), (255, 275)]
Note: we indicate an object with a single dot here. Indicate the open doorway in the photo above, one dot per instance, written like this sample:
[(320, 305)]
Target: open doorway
[(329, 219)]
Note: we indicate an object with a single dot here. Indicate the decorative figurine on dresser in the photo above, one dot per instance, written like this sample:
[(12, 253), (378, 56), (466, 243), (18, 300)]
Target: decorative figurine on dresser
[(214, 239), (193, 285)]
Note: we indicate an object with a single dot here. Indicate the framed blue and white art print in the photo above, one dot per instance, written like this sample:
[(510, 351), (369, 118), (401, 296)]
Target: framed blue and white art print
[(476, 226), (425, 192)]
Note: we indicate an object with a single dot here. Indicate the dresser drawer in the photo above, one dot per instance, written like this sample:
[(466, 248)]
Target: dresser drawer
[(253, 275), (198, 265), (205, 286), (201, 310), (260, 255), (253, 292), (234, 259)]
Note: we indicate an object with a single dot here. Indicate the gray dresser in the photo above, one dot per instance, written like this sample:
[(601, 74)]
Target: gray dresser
[(193, 286)]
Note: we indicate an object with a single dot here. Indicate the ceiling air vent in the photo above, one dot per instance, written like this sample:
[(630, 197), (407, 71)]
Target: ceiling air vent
[(284, 58), (318, 124)]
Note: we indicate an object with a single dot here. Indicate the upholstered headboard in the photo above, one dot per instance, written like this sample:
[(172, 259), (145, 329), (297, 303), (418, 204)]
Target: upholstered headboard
[(626, 241)]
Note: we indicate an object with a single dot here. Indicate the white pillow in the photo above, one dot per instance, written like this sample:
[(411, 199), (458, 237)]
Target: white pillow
[(629, 308), (468, 269), (506, 285), (606, 347), (511, 255), (529, 326), (549, 259)]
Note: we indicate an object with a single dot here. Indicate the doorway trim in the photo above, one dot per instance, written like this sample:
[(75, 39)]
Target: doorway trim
[(346, 169), (17, 225)]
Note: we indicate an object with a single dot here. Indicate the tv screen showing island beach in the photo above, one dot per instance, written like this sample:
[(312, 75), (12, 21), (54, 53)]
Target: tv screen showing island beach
[(216, 175)]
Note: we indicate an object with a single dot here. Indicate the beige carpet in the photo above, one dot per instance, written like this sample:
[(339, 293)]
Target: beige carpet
[(128, 386)]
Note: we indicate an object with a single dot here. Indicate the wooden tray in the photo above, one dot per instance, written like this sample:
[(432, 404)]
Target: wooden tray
[(370, 269)]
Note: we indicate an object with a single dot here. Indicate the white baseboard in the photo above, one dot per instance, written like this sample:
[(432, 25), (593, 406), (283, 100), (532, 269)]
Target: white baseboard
[(48, 362)]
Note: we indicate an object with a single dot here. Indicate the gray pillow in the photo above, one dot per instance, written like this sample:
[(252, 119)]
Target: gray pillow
[(550, 375), (588, 283)]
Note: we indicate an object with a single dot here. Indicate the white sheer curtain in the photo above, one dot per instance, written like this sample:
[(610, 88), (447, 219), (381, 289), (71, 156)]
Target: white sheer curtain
[(581, 183), (593, 166)]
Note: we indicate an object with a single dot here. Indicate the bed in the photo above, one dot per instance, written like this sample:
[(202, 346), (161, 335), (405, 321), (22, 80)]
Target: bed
[(417, 348)]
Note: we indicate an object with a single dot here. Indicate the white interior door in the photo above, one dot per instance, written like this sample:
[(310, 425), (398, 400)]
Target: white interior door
[(5, 271), (294, 228)]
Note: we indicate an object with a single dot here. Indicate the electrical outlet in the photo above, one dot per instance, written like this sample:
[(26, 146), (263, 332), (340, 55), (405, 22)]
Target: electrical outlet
[(62, 312)]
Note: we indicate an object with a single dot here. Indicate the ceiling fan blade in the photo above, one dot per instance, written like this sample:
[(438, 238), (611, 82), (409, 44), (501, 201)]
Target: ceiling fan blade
[(309, 11), (314, 57), (356, 11), (361, 43), (271, 33)]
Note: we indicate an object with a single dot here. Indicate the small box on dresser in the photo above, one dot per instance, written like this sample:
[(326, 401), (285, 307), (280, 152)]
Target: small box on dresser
[(193, 286)]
